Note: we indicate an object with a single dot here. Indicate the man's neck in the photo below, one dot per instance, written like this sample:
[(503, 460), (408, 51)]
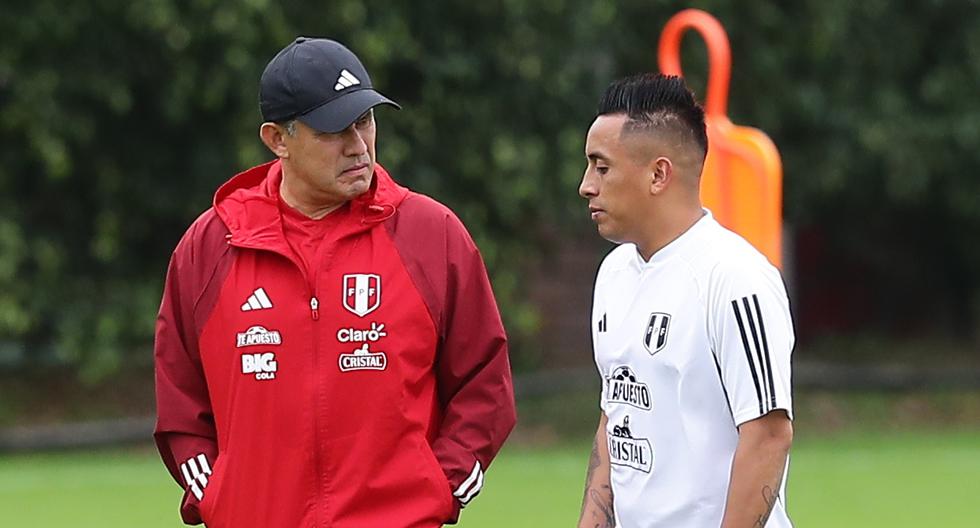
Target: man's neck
[(668, 228), (315, 209)]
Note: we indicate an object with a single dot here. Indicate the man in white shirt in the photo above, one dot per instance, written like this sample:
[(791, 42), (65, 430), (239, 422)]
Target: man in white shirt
[(691, 330)]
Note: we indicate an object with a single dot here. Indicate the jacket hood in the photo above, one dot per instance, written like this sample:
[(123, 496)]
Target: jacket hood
[(248, 204)]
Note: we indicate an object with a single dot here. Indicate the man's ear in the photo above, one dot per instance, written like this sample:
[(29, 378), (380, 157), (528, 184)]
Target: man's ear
[(661, 174), (274, 137)]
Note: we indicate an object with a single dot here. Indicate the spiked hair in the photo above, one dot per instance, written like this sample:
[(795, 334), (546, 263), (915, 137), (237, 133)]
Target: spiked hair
[(652, 102)]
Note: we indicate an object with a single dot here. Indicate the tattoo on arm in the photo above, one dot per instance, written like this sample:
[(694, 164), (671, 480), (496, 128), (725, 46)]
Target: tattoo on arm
[(606, 507), (593, 464), (770, 497), (593, 461), (603, 504)]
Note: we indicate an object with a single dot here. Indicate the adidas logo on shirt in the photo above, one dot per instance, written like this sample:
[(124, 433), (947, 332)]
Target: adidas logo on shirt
[(257, 301), (346, 80)]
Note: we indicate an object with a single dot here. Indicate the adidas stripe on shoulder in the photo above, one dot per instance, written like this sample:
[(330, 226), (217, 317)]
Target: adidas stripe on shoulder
[(750, 324)]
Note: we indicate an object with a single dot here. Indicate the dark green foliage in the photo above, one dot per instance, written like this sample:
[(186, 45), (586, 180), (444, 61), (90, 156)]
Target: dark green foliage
[(119, 119)]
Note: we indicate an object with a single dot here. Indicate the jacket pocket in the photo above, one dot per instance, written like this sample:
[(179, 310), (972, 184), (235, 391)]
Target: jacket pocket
[(212, 491), (435, 478)]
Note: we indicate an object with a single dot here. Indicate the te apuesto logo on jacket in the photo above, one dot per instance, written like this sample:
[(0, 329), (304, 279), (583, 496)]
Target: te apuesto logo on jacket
[(624, 450), (363, 359), (362, 293), (258, 335)]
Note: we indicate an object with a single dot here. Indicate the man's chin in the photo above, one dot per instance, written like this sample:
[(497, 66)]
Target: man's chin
[(357, 188), (609, 234)]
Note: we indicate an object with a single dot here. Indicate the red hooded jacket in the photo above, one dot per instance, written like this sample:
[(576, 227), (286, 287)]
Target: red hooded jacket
[(372, 393)]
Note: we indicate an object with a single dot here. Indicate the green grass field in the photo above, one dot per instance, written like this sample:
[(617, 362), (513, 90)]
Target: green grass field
[(860, 480)]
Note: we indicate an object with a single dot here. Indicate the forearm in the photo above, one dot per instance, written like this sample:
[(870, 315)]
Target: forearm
[(597, 501), (757, 472)]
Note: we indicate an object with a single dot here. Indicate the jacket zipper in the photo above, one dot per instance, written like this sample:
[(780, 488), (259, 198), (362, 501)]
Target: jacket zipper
[(315, 314), (313, 275)]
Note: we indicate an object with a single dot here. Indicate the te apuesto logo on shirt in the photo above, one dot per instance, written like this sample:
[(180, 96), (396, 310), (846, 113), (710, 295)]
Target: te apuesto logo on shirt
[(623, 387), (363, 359), (624, 450)]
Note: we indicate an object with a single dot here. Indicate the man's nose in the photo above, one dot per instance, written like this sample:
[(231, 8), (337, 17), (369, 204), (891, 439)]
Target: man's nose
[(587, 189), (354, 142)]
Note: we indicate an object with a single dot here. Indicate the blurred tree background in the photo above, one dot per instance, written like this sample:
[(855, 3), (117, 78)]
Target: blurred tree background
[(118, 119)]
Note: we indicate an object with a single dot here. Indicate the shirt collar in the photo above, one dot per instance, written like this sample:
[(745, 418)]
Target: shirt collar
[(679, 244)]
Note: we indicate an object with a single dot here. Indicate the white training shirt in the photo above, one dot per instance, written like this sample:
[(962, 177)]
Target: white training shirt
[(689, 345)]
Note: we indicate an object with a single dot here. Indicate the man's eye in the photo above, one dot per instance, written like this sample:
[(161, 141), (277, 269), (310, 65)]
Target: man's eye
[(602, 170)]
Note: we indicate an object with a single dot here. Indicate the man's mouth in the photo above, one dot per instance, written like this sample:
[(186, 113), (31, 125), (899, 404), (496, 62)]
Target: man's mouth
[(355, 168)]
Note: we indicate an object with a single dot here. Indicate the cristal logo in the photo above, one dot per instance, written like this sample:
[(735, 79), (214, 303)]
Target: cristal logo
[(354, 335), (258, 335), (363, 359), (263, 365), (624, 450)]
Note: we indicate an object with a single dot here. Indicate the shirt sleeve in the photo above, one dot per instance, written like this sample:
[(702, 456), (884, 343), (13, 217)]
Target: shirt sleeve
[(751, 333)]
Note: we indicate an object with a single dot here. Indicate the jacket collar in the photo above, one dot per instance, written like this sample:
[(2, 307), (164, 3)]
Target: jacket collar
[(248, 204)]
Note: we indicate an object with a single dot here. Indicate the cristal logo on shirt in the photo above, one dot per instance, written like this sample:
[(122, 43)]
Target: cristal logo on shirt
[(625, 450)]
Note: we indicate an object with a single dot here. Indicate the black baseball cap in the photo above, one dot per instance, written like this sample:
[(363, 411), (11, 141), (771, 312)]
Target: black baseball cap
[(319, 82)]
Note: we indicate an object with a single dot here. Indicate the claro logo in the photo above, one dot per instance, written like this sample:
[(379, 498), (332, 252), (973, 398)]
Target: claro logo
[(263, 365)]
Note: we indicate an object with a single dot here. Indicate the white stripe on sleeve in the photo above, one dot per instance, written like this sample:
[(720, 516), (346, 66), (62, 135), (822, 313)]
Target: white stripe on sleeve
[(187, 476), (475, 475), (198, 476), (196, 490), (474, 491), (203, 460)]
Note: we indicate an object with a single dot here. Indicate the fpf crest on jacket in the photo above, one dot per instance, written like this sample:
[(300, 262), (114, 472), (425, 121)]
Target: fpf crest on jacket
[(362, 293)]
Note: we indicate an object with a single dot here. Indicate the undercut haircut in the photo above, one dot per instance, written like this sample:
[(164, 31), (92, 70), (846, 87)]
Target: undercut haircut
[(654, 102), (289, 126)]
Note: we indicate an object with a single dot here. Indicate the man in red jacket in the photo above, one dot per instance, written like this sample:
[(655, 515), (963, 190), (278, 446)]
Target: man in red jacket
[(328, 349)]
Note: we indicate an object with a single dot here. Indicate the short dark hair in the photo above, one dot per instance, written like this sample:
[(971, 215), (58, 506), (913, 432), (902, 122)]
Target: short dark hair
[(653, 100)]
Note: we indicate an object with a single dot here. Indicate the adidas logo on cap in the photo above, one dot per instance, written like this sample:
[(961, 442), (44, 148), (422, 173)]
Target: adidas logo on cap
[(346, 80)]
